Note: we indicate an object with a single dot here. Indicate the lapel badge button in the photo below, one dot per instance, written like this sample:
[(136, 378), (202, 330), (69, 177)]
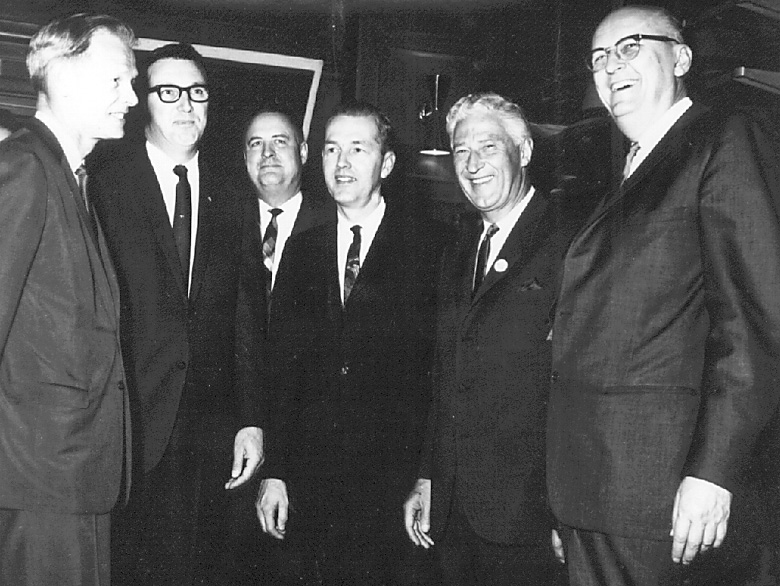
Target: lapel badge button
[(500, 265)]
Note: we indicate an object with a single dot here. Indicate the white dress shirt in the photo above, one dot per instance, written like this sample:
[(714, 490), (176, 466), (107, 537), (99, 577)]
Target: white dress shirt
[(505, 226), (653, 136), (163, 167)]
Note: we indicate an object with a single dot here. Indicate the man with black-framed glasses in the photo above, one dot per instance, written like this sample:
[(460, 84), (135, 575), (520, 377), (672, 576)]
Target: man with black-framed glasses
[(185, 250), (665, 332)]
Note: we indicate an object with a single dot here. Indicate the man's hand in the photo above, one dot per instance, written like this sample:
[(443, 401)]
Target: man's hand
[(557, 545), (272, 506), (417, 513), (247, 456), (700, 518)]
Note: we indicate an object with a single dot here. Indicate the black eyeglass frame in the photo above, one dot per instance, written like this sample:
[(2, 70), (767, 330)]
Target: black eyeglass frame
[(158, 90), (637, 38)]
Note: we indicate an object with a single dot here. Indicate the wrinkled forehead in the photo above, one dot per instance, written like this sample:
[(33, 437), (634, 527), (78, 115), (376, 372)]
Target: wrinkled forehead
[(626, 22)]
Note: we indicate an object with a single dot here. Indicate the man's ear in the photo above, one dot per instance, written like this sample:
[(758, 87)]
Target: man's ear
[(684, 60), (304, 152), (388, 162), (526, 149)]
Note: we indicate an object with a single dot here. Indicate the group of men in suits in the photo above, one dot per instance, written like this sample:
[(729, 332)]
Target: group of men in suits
[(599, 382), (643, 343)]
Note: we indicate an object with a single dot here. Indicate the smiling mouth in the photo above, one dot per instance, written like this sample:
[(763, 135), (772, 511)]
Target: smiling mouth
[(343, 179), (620, 86), (481, 180)]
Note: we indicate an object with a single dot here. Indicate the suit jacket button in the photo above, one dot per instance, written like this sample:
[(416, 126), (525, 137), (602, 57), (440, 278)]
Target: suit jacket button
[(181, 365), (344, 369), (121, 385), (554, 376)]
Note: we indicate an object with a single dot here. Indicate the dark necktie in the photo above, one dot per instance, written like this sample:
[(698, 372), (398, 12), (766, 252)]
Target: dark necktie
[(629, 159), (482, 257), (182, 221), (353, 263), (81, 174)]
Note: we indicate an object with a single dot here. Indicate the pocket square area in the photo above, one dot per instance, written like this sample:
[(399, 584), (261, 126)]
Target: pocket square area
[(532, 285)]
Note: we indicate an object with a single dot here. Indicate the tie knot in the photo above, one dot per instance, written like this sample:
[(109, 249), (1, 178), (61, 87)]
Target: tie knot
[(492, 229), (181, 171), (355, 230), (81, 172), (275, 212)]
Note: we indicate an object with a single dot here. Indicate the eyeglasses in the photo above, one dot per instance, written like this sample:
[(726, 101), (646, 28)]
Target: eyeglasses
[(171, 94), (625, 49)]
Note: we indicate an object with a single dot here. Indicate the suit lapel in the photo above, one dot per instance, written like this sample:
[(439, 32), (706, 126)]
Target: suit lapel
[(666, 147), (205, 232), (378, 254), (311, 214), (466, 261), (70, 185), (330, 265), (150, 199), (525, 235), (106, 289)]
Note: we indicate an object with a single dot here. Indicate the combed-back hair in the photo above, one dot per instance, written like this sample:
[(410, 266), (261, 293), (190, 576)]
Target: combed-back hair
[(511, 114), (364, 109), (180, 51), (69, 37)]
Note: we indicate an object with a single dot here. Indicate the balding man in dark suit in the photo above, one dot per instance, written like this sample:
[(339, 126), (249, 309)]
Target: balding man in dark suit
[(665, 345)]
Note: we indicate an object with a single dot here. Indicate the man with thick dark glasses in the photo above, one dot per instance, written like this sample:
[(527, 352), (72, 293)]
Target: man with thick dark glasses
[(191, 302), (665, 332)]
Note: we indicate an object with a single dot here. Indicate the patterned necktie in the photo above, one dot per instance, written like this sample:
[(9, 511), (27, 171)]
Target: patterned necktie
[(182, 221), (629, 159), (353, 263), (269, 240), (482, 257)]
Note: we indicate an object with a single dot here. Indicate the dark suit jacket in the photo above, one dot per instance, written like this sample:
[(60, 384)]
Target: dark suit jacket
[(665, 345), (64, 421), (314, 211), (349, 387), (203, 349), (486, 432)]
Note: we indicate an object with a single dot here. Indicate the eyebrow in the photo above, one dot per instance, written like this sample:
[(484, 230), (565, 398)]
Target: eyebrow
[(277, 135)]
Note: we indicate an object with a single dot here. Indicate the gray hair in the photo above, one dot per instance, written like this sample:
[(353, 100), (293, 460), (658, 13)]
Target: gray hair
[(65, 38), (510, 114)]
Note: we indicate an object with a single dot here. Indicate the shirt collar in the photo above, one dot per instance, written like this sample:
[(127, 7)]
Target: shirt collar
[(289, 208), (649, 140), (368, 224), (508, 222), (161, 160)]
